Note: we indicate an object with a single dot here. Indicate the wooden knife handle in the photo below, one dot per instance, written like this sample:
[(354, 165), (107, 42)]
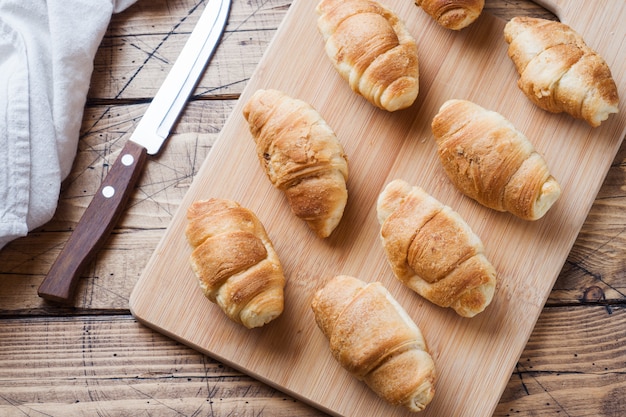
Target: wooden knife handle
[(95, 225)]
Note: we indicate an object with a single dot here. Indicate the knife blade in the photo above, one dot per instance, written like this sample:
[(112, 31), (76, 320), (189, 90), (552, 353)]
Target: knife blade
[(153, 129)]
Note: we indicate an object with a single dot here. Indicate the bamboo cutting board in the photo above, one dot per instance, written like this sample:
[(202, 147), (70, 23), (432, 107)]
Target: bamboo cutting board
[(474, 357)]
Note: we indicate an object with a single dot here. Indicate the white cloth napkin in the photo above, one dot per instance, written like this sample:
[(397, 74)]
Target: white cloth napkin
[(47, 49)]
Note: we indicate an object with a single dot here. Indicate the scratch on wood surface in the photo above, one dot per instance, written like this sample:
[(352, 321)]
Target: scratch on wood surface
[(590, 294), (520, 371), (151, 53), (210, 390)]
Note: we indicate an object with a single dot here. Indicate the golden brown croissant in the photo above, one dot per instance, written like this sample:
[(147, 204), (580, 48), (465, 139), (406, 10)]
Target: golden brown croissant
[(433, 251), (372, 50), (301, 156), (559, 72), (453, 14), (489, 160), (374, 338), (235, 261)]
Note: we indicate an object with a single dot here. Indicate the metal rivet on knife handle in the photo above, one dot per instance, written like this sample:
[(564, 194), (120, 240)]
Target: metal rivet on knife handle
[(94, 227)]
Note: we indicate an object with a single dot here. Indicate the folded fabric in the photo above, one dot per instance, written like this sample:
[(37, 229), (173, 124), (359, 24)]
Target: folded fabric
[(47, 48)]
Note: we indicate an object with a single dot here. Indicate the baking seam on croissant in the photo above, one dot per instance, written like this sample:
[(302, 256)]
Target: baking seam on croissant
[(235, 261), (433, 251), (372, 50), (373, 338), (489, 160), (453, 14), (559, 72), (301, 156)]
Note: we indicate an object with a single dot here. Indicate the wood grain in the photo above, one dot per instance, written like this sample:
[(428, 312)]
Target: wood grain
[(474, 358), (48, 359), (148, 54), (76, 366)]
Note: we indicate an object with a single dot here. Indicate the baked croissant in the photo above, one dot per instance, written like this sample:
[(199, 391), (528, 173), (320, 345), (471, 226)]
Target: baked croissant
[(301, 156), (489, 160), (433, 251), (558, 71), (373, 337), (372, 50), (453, 14), (235, 261)]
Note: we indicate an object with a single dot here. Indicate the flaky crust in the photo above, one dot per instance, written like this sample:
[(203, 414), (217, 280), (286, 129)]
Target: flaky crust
[(453, 14), (235, 261), (372, 50), (374, 338), (433, 251), (558, 71), (489, 160), (302, 157)]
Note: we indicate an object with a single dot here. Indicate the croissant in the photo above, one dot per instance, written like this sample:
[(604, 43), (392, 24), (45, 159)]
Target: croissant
[(301, 156), (235, 261), (433, 251), (558, 71), (489, 160), (372, 50), (453, 14), (373, 337)]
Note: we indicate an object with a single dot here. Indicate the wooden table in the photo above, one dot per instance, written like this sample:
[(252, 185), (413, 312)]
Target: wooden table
[(95, 359)]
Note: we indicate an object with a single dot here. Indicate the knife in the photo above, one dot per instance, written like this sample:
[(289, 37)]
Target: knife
[(107, 204)]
